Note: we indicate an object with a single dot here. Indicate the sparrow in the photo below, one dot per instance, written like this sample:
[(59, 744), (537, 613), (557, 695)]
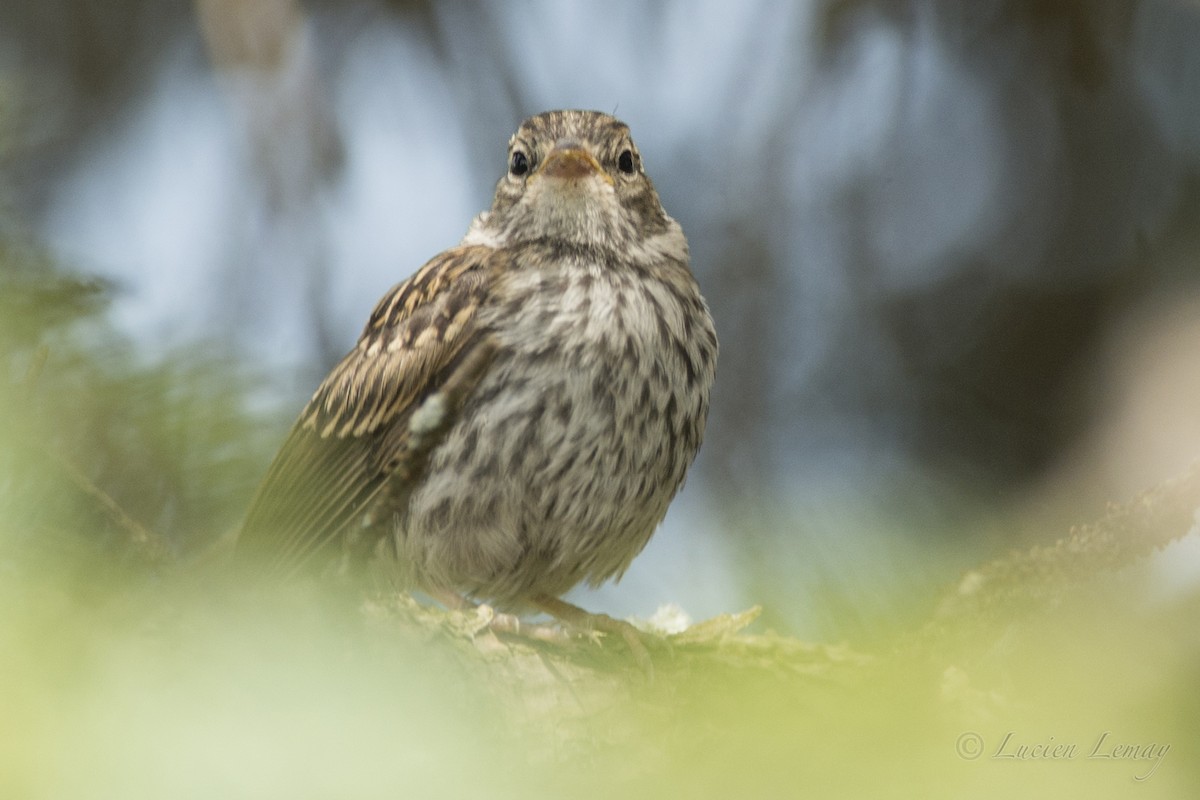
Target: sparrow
[(517, 415)]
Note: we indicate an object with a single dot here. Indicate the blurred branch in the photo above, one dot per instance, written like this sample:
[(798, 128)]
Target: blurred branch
[(578, 676), (1023, 580), (146, 544), (265, 55), (250, 35), (581, 677)]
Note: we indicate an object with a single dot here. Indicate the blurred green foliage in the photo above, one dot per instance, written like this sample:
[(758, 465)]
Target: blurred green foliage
[(101, 450)]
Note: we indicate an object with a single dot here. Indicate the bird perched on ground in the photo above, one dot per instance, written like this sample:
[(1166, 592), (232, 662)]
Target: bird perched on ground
[(518, 414)]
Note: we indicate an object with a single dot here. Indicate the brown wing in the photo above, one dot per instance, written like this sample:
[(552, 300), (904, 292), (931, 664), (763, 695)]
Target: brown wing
[(378, 413)]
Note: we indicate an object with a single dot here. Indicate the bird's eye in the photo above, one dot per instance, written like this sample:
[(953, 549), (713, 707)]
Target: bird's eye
[(625, 162), (519, 163)]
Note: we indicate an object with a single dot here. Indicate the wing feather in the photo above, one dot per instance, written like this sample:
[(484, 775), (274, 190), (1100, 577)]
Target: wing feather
[(354, 438)]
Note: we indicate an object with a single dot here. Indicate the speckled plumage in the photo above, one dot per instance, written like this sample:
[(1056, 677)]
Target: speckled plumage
[(518, 414)]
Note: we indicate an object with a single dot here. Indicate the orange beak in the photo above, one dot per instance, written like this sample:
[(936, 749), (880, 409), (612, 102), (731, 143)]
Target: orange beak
[(572, 162)]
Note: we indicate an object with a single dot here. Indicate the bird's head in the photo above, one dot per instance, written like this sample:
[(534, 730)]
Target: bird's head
[(574, 176)]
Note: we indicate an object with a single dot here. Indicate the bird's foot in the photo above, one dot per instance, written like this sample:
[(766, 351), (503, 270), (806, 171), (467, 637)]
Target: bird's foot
[(572, 616), (582, 620), (500, 621)]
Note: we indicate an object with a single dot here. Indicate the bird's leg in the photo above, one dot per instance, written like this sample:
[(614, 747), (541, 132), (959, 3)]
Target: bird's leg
[(578, 618), (451, 599), (501, 622)]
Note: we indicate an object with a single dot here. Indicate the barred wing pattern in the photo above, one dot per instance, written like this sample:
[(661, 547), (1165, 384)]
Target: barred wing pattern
[(373, 421)]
